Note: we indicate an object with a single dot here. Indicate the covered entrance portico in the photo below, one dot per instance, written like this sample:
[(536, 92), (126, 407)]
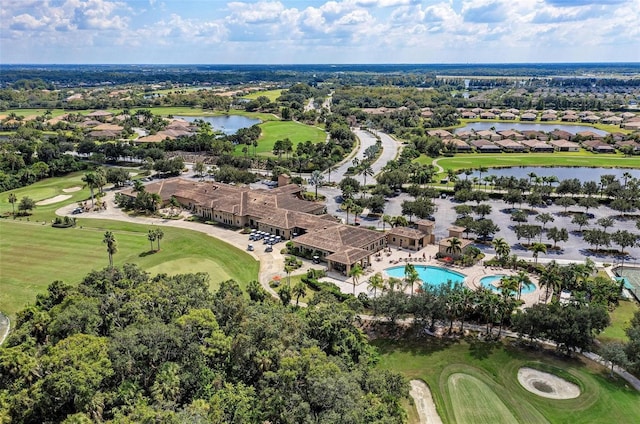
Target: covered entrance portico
[(343, 260)]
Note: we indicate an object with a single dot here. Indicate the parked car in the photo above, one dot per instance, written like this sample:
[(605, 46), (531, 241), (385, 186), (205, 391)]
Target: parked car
[(76, 211), (269, 248), (250, 248)]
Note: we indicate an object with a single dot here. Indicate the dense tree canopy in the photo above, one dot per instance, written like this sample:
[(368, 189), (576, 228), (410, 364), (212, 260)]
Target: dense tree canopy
[(125, 347)]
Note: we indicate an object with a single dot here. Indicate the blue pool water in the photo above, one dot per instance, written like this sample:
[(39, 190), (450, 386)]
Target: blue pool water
[(432, 275), (492, 281)]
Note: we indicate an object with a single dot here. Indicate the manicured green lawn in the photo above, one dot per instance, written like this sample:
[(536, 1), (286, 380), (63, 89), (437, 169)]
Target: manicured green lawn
[(34, 255), (279, 130), (501, 160), (620, 320), (272, 95), (495, 365)]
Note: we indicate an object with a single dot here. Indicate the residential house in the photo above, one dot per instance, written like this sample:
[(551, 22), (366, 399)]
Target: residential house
[(563, 145)]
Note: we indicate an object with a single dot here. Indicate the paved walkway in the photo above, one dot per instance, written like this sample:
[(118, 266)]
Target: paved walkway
[(271, 263)]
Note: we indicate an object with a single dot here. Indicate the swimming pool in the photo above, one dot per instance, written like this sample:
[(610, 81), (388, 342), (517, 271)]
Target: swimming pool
[(493, 281), (432, 275)]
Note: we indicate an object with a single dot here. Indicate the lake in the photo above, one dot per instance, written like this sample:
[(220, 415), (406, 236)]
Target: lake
[(563, 173), (524, 126), (228, 124)]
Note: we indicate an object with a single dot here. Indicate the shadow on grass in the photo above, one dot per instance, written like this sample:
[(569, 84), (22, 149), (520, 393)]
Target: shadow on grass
[(410, 342), (147, 253), (480, 349)]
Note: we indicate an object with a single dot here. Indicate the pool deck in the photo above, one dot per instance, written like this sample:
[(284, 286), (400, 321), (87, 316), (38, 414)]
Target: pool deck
[(426, 257)]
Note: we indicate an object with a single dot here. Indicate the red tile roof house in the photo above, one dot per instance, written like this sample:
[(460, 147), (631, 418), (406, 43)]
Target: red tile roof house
[(509, 145), (598, 146), (507, 116), (537, 146), (279, 211), (563, 145), (561, 134), (528, 116), (513, 135), (488, 115), (458, 145)]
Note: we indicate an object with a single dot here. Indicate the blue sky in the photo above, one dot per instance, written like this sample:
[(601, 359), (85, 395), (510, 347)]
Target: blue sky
[(318, 31)]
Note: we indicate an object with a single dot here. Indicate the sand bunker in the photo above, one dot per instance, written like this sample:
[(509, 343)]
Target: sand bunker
[(547, 385), (49, 201), (72, 189), (424, 402)]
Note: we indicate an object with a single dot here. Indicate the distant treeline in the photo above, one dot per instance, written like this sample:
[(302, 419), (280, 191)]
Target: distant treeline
[(94, 75)]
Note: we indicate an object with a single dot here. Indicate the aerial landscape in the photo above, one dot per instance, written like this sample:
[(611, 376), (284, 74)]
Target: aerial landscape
[(356, 211)]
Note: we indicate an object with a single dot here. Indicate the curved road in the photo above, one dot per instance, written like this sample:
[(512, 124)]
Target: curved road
[(390, 149)]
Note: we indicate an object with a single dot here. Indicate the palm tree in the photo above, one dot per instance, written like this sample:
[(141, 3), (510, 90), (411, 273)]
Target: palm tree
[(376, 281), (393, 282), (455, 246), (159, 236), (151, 237), (112, 247), (288, 270), (91, 179), (550, 279), (411, 276), (13, 199), (501, 247), (329, 171), (386, 219), (538, 248), (366, 171), (348, 206), (399, 221), (299, 290), (523, 281), (355, 272), (316, 180), (466, 300)]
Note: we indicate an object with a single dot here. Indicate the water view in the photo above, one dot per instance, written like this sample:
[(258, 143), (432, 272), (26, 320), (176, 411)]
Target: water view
[(563, 173), (228, 124), (432, 275), (524, 126)]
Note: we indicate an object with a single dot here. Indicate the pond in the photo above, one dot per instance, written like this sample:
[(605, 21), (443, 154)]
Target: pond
[(563, 173), (228, 124), (525, 126)]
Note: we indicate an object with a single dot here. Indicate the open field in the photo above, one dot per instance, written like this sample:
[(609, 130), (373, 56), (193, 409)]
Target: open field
[(501, 160), (620, 320), (272, 95), (494, 367), (33, 255), (279, 130)]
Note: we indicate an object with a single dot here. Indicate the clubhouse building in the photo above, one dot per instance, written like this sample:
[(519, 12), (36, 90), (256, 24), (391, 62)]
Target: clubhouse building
[(282, 211)]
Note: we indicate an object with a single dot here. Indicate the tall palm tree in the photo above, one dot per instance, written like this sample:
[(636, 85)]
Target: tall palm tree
[(91, 180), (288, 269), (366, 171), (550, 279), (501, 247), (411, 276), (355, 272), (376, 281), (159, 236), (112, 247), (466, 301), (386, 219), (455, 246), (151, 236), (316, 179), (523, 281), (538, 248), (348, 206), (13, 199)]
